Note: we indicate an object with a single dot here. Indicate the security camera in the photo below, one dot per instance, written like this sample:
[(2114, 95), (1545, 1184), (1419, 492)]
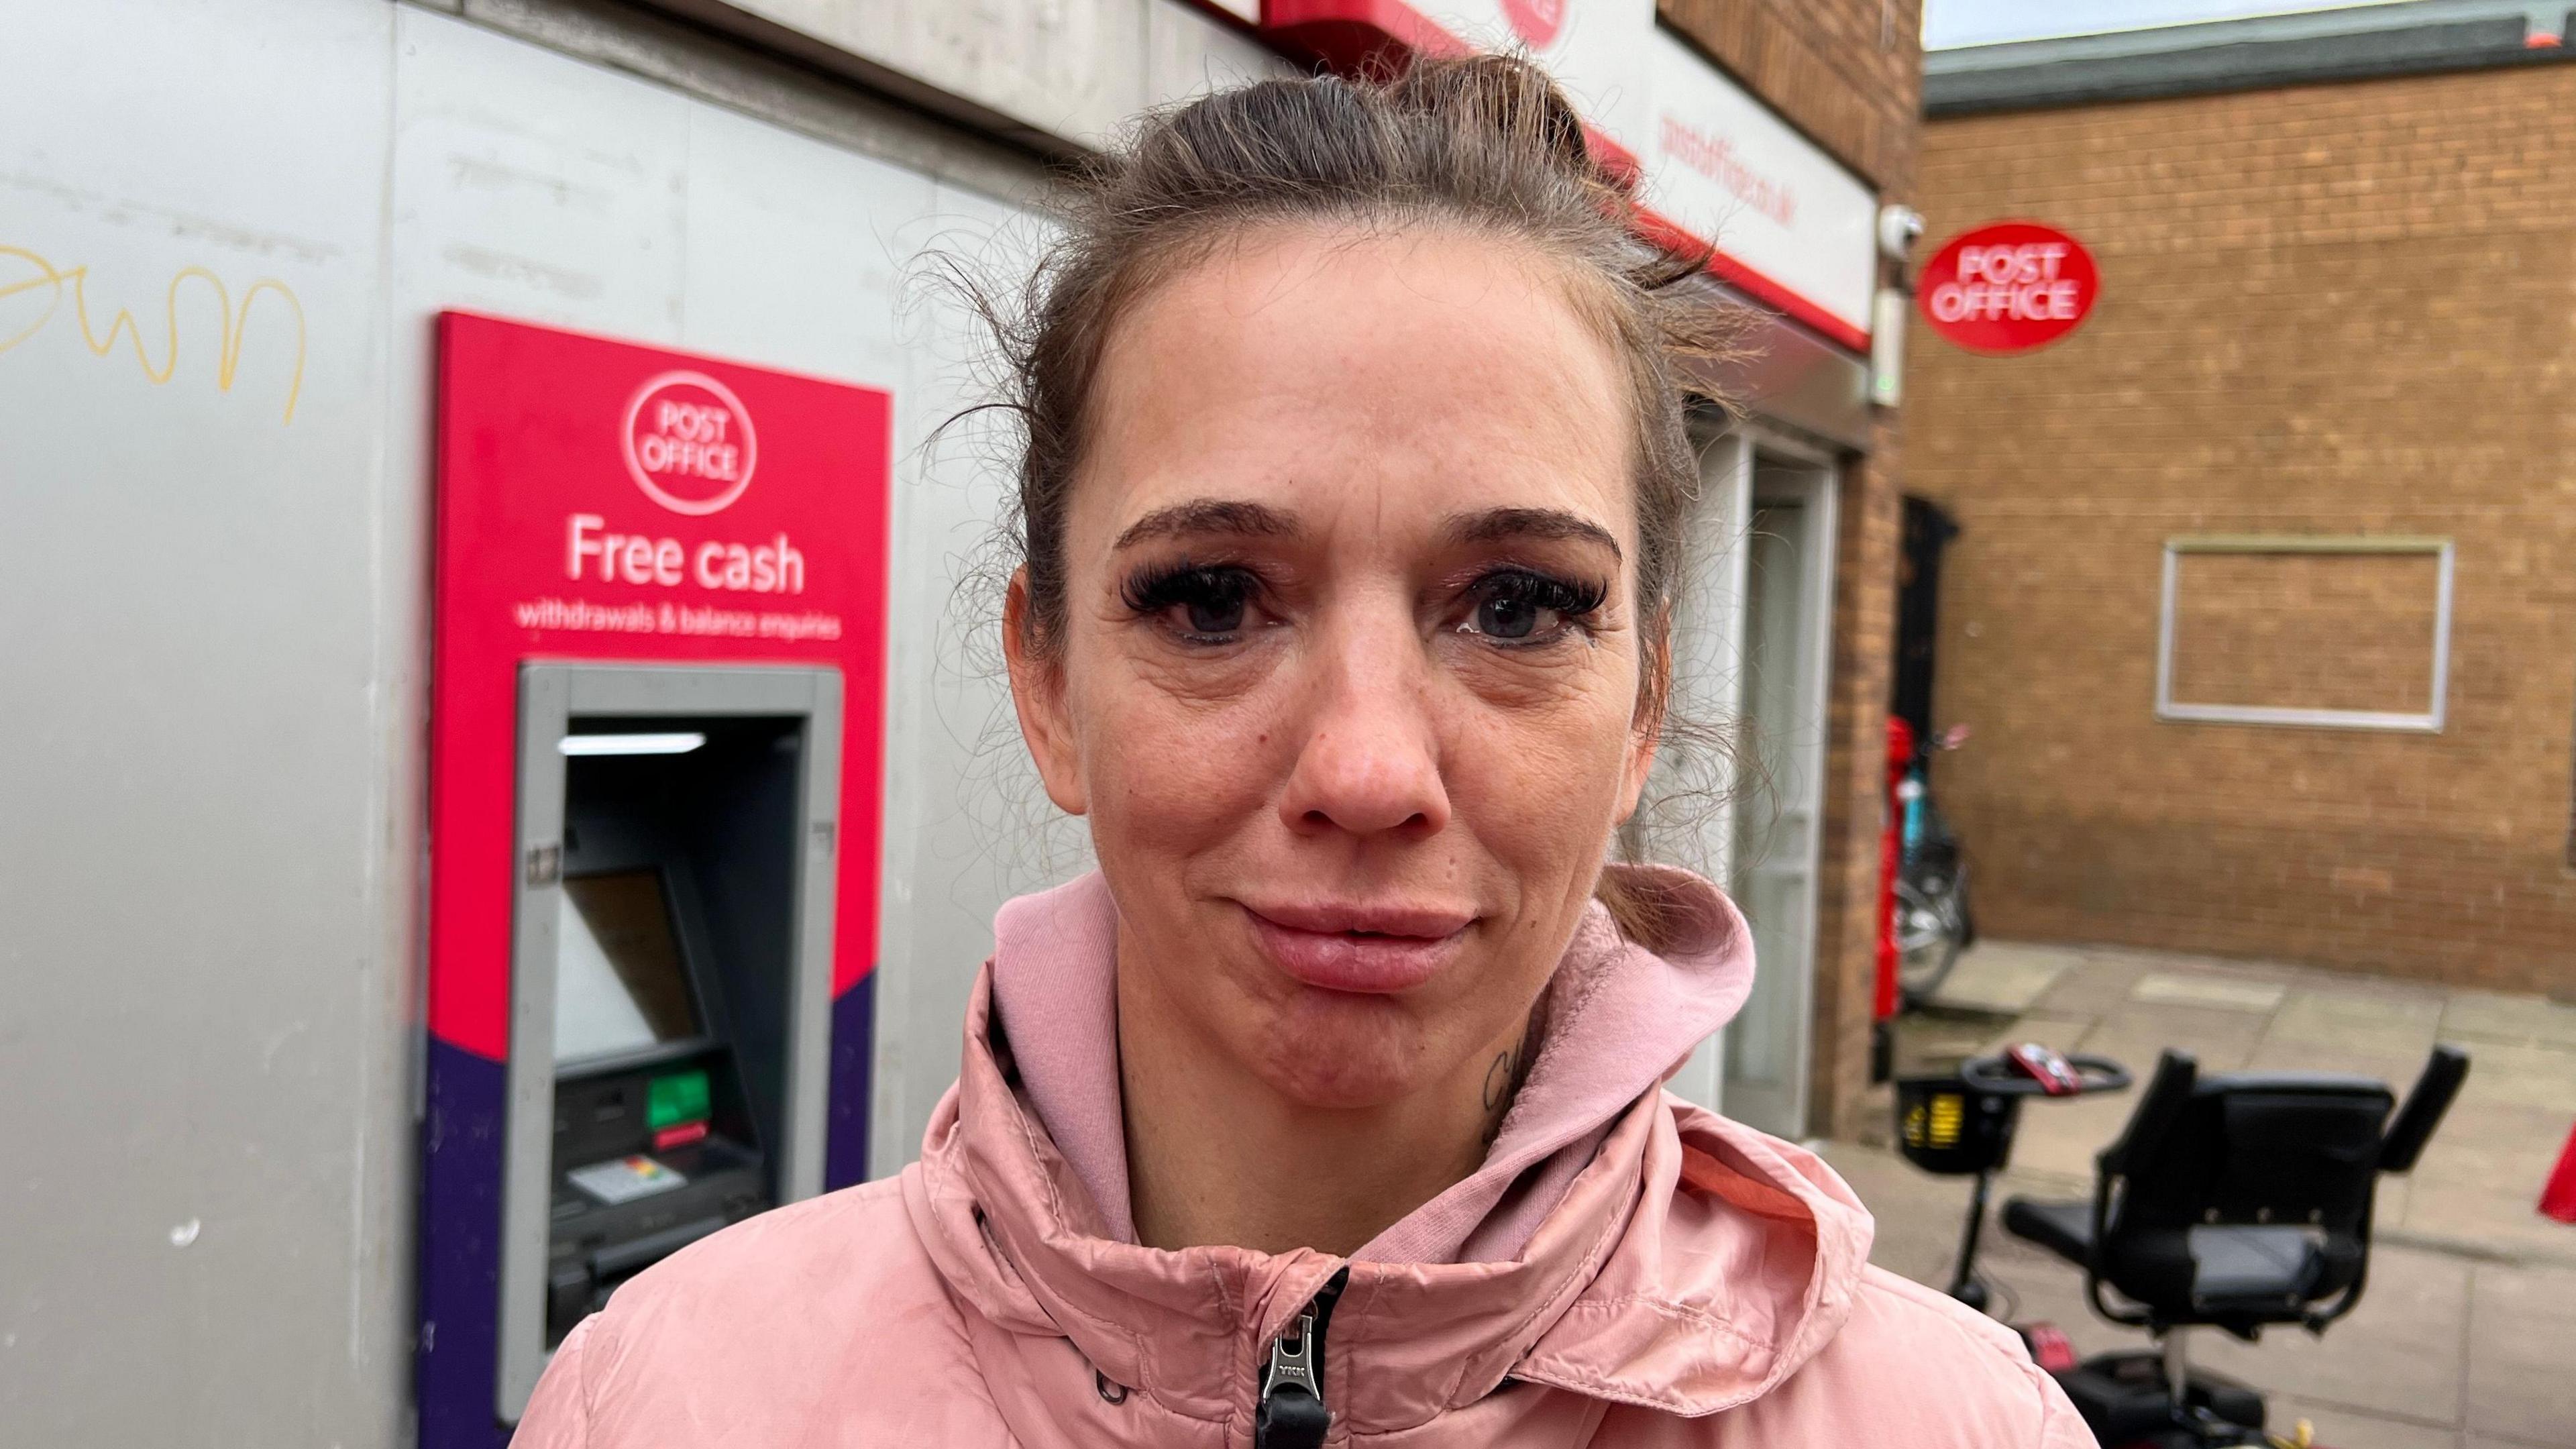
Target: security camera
[(1898, 229)]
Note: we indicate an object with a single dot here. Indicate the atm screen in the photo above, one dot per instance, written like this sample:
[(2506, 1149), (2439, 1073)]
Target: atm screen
[(619, 982)]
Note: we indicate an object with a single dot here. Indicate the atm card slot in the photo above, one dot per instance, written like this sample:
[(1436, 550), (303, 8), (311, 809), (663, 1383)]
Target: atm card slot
[(619, 1259)]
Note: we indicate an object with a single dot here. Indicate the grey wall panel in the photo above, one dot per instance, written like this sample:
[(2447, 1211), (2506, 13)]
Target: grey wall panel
[(204, 985), (966, 824), (213, 639)]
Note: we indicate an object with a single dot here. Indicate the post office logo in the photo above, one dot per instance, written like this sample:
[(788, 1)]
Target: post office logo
[(689, 443)]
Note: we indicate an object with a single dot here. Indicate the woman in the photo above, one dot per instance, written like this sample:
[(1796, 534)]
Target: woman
[(1330, 1109)]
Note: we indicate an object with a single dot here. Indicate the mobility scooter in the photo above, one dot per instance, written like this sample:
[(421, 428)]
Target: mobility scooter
[(2237, 1201)]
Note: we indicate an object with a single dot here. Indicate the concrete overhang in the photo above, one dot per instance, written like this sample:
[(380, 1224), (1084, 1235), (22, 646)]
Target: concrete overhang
[(2356, 42)]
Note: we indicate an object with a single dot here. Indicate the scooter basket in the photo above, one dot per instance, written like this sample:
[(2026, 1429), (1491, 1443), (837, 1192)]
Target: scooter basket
[(1944, 1125)]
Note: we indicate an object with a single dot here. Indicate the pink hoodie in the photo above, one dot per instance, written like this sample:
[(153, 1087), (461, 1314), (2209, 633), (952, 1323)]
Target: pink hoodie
[(1626, 1269)]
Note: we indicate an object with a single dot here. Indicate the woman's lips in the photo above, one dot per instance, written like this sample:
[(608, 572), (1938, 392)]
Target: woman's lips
[(1376, 950)]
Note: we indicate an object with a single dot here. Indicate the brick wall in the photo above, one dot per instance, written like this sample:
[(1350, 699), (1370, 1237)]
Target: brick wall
[(2334, 309)]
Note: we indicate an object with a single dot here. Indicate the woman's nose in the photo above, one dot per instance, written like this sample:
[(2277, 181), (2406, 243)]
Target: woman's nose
[(1370, 762)]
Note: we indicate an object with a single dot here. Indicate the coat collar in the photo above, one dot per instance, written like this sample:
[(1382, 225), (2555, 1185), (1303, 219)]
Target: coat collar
[(1688, 1264)]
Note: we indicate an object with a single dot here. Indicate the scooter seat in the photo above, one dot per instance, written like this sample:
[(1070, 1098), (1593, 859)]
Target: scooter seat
[(2250, 1269), (2266, 1271), (2063, 1228)]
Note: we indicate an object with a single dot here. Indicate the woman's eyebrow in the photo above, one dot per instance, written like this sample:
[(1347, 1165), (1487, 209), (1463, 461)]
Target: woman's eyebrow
[(1210, 515), (1495, 525)]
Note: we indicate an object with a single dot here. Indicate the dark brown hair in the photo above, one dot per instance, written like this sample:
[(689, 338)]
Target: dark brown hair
[(1482, 146)]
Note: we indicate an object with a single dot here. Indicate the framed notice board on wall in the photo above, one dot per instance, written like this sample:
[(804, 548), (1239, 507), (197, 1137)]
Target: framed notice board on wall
[(2316, 631)]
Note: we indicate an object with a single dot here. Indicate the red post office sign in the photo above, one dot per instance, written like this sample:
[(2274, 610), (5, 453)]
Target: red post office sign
[(602, 501), (2008, 286)]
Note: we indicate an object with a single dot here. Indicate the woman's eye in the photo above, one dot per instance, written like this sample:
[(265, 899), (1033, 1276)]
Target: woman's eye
[(1214, 615), (1202, 604), (1517, 607), (1507, 616)]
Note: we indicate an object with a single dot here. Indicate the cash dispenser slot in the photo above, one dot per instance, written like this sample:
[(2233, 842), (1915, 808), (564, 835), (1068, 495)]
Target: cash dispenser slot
[(669, 994)]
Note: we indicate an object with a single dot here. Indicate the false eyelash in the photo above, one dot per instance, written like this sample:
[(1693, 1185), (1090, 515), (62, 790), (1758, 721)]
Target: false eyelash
[(1571, 599), (1152, 590)]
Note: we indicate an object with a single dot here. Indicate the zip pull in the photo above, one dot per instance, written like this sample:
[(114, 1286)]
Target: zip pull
[(1292, 1414)]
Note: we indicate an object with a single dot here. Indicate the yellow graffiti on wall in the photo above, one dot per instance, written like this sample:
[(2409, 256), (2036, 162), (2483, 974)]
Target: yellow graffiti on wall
[(236, 324)]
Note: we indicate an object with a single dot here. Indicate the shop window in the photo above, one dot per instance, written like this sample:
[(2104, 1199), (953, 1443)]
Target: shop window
[(2350, 633)]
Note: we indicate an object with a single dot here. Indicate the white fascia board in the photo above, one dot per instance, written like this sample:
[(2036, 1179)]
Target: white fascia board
[(1722, 166)]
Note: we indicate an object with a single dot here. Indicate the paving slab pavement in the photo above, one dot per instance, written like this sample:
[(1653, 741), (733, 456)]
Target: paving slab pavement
[(2522, 1354), (2466, 1335), (2491, 1016), (2006, 977)]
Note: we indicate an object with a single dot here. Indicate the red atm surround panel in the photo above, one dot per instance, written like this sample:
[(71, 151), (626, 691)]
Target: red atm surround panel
[(603, 502)]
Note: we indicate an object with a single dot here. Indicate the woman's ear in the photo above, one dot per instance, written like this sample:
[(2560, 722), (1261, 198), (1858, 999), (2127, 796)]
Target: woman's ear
[(1654, 694), (1037, 694)]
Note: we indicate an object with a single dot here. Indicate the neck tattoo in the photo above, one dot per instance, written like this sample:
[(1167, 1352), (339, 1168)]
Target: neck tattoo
[(1503, 1077)]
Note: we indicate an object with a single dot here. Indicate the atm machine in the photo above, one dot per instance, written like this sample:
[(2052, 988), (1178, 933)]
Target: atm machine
[(652, 829), (669, 1017)]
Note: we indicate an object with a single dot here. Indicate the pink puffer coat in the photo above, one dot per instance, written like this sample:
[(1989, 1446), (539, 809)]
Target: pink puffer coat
[(1626, 1270)]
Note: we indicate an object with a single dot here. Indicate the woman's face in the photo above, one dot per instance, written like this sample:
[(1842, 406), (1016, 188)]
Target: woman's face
[(1348, 677)]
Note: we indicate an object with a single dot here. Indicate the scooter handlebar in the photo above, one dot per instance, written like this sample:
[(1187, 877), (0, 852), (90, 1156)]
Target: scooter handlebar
[(1997, 1074)]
